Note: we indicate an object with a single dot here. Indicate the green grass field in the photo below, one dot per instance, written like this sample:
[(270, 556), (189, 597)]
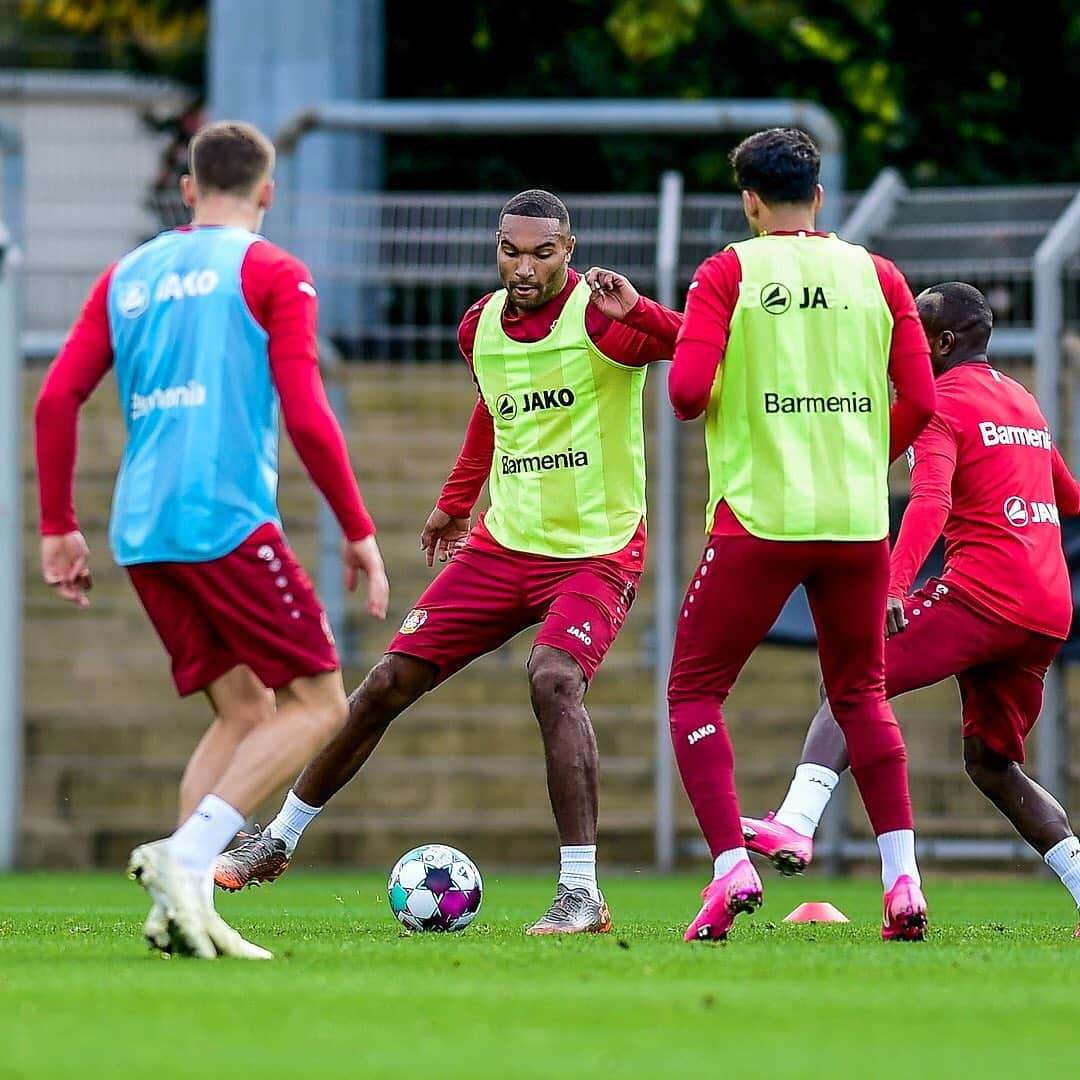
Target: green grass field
[(995, 993)]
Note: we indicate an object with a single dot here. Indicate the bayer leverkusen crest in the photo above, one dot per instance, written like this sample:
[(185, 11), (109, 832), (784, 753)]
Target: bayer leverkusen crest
[(413, 621)]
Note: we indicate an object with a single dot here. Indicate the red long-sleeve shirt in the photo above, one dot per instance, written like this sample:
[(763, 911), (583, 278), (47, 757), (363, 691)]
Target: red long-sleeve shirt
[(646, 334), (278, 290), (985, 472), (703, 339)]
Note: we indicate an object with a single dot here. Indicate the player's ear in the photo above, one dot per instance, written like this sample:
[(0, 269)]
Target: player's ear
[(266, 195), (188, 191), (751, 205), (819, 197), (947, 341), (571, 243)]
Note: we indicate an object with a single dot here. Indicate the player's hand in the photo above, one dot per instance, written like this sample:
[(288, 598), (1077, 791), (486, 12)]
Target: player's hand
[(65, 565), (364, 557), (895, 619), (443, 535), (611, 293)]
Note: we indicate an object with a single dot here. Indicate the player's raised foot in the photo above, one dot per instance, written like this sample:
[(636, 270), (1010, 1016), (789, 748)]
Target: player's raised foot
[(258, 858), (176, 891), (738, 892), (905, 912), (1076, 932), (789, 851), (574, 911)]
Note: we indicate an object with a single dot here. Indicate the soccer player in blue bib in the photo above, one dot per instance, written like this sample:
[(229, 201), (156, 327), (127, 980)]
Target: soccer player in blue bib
[(211, 330)]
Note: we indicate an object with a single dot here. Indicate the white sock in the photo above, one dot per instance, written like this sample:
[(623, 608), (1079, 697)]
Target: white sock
[(726, 861), (206, 834), (898, 857), (577, 868), (1064, 859), (293, 818), (805, 802)]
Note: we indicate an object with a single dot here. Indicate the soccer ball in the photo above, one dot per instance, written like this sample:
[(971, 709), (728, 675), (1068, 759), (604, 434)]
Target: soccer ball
[(435, 887)]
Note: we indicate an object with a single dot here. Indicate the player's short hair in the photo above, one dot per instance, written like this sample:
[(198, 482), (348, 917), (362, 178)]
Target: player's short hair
[(230, 156), (780, 165), (537, 204), (961, 308)]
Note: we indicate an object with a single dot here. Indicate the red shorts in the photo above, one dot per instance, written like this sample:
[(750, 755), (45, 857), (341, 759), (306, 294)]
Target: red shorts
[(487, 594), (999, 666), (254, 606)]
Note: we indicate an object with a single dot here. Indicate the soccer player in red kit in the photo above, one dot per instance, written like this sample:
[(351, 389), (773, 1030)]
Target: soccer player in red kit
[(210, 330), (788, 344), (559, 361), (986, 473)]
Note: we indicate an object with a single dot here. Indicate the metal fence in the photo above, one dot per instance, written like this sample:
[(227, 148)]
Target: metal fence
[(415, 261), (412, 263)]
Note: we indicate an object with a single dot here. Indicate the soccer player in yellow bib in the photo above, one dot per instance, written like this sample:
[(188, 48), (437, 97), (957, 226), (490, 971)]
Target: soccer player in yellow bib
[(789, 342), (559, 360)]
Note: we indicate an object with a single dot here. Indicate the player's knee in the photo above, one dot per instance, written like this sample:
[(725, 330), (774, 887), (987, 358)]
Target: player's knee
[(325, 709), (556, 682), (987, 771), (395, 682)]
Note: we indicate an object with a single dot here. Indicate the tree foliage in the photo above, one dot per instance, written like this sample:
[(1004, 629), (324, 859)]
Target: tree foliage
[(161, 37), (949, 93)]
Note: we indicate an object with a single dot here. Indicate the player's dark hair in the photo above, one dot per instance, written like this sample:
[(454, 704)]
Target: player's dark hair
[(780, 165), (538, 204), (230, 156), (964, 310)]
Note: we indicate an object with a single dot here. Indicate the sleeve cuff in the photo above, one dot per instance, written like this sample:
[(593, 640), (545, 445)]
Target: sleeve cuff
[(455, 510), (58, 528), (360, 527)]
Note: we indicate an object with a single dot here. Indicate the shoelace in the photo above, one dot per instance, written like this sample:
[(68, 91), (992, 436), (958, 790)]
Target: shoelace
[(573, 902), (567, 905)]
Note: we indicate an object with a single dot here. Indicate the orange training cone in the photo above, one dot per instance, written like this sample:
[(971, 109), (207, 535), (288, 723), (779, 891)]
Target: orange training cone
[(817, 912)]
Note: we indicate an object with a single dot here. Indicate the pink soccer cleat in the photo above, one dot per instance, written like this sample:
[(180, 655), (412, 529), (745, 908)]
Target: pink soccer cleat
[(1076, 932), (738, 891), (789, 851), (905, 912)]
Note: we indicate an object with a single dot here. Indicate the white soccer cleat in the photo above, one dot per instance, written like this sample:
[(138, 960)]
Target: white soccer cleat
[(178, 893), (156, 929), (230, 942)]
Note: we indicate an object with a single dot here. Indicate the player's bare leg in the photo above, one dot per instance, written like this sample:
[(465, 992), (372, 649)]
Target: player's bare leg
[(310, 711), (391, 686), (1035, 814), (174, 870), (251, 703), (557, 689), (216, 748)]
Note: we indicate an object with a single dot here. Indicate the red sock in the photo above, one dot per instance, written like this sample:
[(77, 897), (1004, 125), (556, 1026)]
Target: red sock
[(707, 766), (879, 765)]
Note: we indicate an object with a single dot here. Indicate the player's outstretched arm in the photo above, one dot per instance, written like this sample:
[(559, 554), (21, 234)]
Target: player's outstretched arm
[(467, 477), (933, 464), (81, 364), (279, 293), (702, 342), (627, 327)]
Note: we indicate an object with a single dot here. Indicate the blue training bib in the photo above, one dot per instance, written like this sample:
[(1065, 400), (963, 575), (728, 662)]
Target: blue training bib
[(200, 469)]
